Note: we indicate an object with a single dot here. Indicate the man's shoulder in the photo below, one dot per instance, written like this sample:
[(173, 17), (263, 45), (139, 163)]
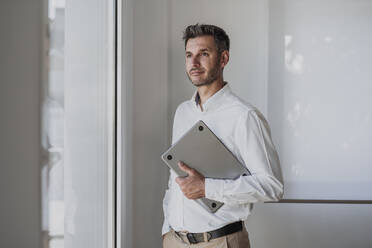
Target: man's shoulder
[(246, 109), (183, 106), (241, 105)]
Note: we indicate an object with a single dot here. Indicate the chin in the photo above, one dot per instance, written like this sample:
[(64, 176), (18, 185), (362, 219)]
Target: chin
[(198, 84)]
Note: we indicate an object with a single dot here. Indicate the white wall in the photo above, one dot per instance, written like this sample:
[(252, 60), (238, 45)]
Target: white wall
[(294, 225), (20, 81), (320, 96), (318, 63)]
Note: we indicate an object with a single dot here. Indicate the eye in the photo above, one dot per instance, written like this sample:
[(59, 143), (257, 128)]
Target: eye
[(205, 54), (188, 55)]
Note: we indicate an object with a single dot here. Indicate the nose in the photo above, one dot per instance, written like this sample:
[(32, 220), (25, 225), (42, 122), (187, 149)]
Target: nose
[(195, 61)]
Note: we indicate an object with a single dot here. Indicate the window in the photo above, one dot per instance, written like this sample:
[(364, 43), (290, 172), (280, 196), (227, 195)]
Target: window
[(79, 125)]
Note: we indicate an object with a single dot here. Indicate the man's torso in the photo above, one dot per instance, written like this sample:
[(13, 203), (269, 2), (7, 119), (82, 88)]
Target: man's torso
[(222, 115)]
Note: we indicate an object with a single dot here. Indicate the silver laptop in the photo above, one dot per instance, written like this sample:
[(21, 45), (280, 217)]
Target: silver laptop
[(201, 149)]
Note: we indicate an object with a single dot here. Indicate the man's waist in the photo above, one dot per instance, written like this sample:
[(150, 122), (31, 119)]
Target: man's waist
[(194, 238)]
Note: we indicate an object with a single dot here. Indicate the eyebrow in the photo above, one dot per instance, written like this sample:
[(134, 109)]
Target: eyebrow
[(201, 50)]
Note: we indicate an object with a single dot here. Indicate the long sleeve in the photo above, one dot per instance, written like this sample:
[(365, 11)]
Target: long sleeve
[(256, 148)]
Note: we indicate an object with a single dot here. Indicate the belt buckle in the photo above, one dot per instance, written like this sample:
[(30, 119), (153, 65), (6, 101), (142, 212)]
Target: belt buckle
[(191, 238), (209, 236)]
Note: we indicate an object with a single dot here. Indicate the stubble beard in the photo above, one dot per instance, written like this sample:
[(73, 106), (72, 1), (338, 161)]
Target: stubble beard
[(211, 77)]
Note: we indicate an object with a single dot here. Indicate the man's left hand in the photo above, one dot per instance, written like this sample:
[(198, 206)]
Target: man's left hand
[(193, 185)]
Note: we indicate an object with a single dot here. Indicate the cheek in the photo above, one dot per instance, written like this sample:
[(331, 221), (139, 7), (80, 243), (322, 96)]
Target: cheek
[(188, 65), (207, 63)]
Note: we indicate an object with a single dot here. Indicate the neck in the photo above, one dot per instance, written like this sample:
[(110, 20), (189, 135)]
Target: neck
[(207, 91)]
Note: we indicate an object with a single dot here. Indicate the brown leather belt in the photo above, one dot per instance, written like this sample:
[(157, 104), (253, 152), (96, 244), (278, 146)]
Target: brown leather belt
[(195, 238)]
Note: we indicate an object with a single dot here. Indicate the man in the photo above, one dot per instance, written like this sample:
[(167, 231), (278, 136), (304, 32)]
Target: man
[(242, 128)]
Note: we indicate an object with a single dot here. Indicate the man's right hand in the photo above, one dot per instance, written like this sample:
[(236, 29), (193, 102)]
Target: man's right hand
[(193, 185)]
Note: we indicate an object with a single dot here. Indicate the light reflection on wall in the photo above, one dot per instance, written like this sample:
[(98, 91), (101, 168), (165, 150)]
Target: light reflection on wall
[(293, 62), (319, 96)]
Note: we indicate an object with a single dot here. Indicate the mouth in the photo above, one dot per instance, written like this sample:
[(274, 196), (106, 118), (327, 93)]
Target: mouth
[(196, 73)]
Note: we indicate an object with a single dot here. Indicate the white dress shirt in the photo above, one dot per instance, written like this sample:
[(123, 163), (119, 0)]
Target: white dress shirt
[(245, 132)]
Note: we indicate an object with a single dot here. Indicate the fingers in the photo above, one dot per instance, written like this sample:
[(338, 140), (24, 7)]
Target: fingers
[(192, 185), (185, 168), (180, 180)]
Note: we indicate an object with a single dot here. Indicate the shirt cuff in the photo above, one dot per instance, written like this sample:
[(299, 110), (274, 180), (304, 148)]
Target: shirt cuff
[(214, 189)]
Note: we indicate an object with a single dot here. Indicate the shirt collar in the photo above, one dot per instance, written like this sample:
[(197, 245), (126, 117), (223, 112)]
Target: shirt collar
[(212, 101)]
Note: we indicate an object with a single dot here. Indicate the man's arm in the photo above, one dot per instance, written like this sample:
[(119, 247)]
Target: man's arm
[(258, 152), (253, 139)]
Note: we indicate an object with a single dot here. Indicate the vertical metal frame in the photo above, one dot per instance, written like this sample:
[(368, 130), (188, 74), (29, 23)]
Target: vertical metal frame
[(124, 85)]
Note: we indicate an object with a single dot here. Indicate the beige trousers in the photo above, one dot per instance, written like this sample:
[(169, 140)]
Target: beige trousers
[(234, 240)]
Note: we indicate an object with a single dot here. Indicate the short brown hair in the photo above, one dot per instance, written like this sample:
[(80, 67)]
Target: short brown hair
[(221, 39)]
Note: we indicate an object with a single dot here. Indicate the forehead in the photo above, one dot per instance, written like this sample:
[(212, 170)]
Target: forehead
[(201, 42)]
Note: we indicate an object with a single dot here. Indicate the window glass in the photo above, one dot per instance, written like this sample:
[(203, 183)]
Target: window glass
[(78, 125)]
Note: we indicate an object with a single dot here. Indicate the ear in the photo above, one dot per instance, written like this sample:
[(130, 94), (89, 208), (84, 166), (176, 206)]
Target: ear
[(225, 56)]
